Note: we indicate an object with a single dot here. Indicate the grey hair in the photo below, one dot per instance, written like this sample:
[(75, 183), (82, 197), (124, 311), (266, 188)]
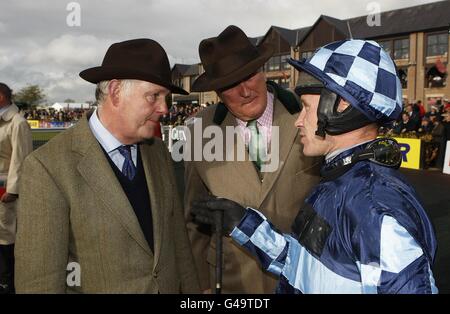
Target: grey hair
[(102, 89)]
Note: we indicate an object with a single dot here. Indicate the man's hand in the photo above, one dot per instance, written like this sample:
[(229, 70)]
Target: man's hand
[(8, 198), (208, 212)]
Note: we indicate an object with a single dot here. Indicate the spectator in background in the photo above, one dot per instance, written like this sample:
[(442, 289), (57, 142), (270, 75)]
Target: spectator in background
[(406, 125), (421, 108), (438, 133), (413, 116), (446, 122), (433, 112), (426, 126), (15, 145)]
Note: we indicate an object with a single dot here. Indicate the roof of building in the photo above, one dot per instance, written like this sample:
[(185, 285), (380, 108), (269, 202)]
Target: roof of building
[(431, 16), (186, 69), (435, 15), (255, 40), (292, 36)]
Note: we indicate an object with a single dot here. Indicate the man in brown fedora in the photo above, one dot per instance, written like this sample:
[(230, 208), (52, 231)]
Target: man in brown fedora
[(98, 209), (258, 109)]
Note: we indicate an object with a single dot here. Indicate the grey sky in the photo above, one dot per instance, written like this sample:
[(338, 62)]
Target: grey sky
[(38, 47)]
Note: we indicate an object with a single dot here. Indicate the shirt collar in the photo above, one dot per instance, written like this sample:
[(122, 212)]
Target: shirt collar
[(103, 136), (3, 110), (330, 156)]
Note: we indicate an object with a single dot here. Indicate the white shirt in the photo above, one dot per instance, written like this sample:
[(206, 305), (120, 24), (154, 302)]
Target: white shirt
[(109, 142)]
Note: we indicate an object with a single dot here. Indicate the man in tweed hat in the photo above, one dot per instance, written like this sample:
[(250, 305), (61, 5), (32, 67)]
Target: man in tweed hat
[(362, 229), (256, 108), (100, 199)]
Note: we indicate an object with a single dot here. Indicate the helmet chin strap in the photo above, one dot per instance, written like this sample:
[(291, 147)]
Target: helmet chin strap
[(331, 121), (327, 104)]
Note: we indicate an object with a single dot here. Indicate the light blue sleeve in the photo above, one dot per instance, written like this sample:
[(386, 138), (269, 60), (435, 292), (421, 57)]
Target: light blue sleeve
[(403, 267)]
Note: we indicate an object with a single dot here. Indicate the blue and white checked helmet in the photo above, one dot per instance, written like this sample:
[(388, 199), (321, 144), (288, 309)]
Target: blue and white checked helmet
[(362, 73)]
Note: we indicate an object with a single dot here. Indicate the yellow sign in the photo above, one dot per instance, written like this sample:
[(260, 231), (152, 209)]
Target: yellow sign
[(34, 124), (410, 149)]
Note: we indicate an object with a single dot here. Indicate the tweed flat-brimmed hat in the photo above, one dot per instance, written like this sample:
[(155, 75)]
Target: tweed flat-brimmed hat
[(228, 59), (137, 59)]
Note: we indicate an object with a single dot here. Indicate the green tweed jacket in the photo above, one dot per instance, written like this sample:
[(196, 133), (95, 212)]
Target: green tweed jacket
[(72, 209), (278, 195)]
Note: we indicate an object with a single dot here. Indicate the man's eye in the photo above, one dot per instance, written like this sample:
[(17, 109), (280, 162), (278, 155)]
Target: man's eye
[(152, 97)]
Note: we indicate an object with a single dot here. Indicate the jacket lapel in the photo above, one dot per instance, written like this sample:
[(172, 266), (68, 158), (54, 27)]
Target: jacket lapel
[(159, 189), (97, 172), (237, 169), (287, 135)]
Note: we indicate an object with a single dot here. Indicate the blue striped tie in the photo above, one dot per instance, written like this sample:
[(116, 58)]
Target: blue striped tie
[(128, 168)]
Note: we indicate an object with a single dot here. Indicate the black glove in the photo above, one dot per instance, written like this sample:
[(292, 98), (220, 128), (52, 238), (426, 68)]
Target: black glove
[(209, 212)]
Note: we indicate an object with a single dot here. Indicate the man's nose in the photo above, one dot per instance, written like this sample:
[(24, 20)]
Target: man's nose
[(300, 120), (163, 109), (244, 90)]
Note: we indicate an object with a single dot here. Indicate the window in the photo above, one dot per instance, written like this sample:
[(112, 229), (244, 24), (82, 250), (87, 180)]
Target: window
[(180, 82), (401, 48), (273, 64), (403, 75), (436, 75), (283, 82), (307, 54), (284, 64), (437, 44), (386, 45), (191, 80)]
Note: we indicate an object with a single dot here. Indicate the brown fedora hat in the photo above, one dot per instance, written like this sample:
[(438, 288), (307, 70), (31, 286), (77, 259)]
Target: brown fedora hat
[(228, 59), (136, 59)]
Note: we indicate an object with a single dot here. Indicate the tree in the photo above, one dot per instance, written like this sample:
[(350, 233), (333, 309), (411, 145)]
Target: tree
[(30, 95), (69, 100)]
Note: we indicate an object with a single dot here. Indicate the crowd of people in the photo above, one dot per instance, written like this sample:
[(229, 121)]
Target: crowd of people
[(179, 113), (432, 127), (54, 115)]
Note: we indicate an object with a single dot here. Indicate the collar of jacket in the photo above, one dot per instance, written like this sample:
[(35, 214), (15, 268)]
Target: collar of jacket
[(10, 112), (289, 101)]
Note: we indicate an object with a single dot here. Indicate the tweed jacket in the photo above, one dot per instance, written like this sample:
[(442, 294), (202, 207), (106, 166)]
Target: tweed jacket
[(278, 194), (74, 216)]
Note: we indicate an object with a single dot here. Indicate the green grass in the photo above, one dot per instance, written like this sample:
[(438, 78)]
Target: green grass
[(43, 135)]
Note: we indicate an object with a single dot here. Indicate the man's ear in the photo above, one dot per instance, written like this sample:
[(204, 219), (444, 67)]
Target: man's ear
[(343, 104), (114, 92)]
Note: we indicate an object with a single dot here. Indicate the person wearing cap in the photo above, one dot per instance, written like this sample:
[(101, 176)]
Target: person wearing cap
[(362, 229), (233, 70), (15, 145), (98, 211)]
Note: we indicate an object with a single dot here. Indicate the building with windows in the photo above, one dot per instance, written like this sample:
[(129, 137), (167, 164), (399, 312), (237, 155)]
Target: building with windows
[(283, 41), (416, 37), (183, 75)]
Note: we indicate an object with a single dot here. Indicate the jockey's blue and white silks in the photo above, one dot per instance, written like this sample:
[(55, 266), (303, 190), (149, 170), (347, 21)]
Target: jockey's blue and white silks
[(364, 232), (361, 72)]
